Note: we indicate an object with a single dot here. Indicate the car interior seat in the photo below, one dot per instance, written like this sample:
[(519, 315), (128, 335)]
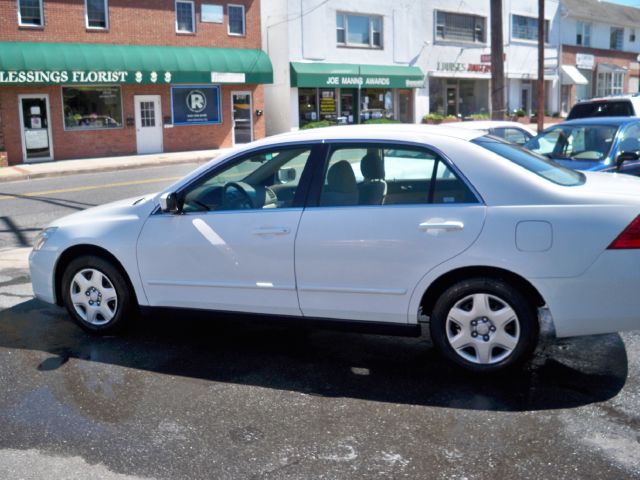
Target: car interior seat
[(374, 188), (341, 187)]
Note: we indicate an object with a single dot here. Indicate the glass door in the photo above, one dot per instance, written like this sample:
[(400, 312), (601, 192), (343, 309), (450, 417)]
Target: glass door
[(242, 118), (452, 100), (36, 131), (347, 106)]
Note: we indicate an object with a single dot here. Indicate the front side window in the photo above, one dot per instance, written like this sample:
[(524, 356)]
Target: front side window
[(359, 30), (97, 13), (457, 27), (268, 179), (236, 19), (616, 38), (92, 108), (30, 13), (590, 143), (533, 162), (583, 34), (526, 28), (185, 17), (384, 175)]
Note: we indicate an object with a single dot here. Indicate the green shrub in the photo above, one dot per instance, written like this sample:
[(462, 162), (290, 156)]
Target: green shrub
[(520, 113), (433, 117), (318, 124), (381, 120), (479, 116)]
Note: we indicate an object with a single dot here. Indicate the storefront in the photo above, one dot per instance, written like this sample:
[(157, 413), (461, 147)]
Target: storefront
[(61, 101), (347, 93), (459, 89)]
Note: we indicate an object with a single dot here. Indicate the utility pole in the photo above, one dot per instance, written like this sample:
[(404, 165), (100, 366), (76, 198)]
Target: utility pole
[(540, 112), (497, 62)]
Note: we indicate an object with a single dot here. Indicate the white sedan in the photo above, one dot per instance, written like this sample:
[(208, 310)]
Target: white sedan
[(494, 245), (513, 132)]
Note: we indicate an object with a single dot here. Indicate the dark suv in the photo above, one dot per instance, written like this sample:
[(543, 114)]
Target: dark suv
[(619, 106)]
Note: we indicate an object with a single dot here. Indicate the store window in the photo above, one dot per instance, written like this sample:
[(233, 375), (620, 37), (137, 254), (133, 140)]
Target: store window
[(376, 103), (583, 34), (359, 30), (307, 105), (616, 38), (91, 108), (458, 98), (610, 83), (96, 13), (185, 17), (236, 20), (526, 28), (456, 27), (30, 13)]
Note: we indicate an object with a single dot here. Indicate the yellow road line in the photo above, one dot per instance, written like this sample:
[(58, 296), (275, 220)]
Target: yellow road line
[(87, 187)]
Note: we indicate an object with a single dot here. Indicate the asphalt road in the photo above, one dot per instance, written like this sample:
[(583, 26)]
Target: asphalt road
[(192, 396)]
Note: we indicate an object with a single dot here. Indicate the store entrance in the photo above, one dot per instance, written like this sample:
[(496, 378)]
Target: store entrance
[(242, 114), (452, 100), (405, 106), (35, 127), (148, 123), (348, 106)]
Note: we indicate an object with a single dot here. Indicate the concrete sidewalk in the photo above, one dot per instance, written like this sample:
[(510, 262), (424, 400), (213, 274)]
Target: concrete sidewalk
[(27, 171)]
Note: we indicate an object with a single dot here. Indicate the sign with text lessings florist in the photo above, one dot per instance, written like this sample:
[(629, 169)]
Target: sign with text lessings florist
[(79, 77)]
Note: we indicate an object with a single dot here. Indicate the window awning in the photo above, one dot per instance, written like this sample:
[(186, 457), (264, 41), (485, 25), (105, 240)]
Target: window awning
[(76, 63), (347, 75), (611, 68), (572, 76)]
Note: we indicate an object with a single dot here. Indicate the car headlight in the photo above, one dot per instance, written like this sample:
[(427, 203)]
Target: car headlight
[(42, 237)]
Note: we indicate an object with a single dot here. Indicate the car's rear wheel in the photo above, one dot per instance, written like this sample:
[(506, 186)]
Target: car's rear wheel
[(484, 325), (96, 294)]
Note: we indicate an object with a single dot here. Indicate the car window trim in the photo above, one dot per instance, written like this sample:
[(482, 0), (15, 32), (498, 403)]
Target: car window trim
[(313, 199)]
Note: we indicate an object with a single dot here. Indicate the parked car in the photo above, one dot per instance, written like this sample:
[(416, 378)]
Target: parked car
[(493, 244), (608, 144), (614, 106), (513, 132)]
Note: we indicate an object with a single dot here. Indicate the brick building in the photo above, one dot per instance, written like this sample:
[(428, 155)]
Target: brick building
[(83, 78), (600, 47)]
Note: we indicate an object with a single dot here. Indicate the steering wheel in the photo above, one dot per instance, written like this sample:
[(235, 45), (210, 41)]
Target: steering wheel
[(242, 201)]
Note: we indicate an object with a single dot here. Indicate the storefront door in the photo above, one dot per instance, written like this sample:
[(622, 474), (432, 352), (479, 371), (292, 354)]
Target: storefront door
[(405, 106), (348, 106), (148, 123), (525, 101), (242, 123), (35, 127), (452, 100)]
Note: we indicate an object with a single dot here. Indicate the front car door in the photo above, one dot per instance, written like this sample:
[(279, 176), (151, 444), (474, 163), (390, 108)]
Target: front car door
[(367, 242), (232, 247), (629, 142)]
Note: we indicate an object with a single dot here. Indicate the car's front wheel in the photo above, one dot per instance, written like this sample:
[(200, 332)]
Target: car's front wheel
[(96, 294), (484, 325)]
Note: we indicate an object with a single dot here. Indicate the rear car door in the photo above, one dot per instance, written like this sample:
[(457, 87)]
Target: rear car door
[(361, 260)]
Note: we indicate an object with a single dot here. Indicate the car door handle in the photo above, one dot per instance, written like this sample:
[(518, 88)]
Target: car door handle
[(271, 231), (448, 226)]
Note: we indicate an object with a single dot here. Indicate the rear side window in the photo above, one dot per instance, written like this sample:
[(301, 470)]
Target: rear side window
[(541, 166), (618, 108)]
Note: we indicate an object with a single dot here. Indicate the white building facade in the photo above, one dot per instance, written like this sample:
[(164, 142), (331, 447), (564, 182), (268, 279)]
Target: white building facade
[(364, 60)]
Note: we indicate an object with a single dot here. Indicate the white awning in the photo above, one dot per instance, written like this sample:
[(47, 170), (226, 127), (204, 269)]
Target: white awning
[(609, 67), (572, 76)]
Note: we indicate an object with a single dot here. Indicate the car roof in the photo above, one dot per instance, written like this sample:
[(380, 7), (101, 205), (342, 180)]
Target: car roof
[(612, 121), (613, 98), (487, 124)]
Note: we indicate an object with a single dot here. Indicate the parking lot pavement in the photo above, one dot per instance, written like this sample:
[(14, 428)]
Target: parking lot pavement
[(185, 396)]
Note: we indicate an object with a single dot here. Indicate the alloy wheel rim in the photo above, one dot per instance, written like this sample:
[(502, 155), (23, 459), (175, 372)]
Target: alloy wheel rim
[(93, 296), (482, 329)]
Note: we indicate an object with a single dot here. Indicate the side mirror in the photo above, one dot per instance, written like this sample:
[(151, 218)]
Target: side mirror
[(286, 175), (626, 157), (169, 202)]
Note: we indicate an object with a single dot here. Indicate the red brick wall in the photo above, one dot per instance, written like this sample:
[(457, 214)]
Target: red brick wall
[(122, 141), (133, 22)]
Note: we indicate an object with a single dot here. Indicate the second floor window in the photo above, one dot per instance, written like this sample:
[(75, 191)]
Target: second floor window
[(30, 13), (616, 38), (583, 34), (456, 27), (96, 13), (236, 19), (359, 30), (526, 28), (185, 18)]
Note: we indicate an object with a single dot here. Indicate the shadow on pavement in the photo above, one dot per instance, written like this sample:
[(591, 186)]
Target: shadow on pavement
[(571, 373)]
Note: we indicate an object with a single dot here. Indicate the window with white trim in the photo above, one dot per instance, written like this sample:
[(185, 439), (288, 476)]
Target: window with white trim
[(610, 83), (583, 34), (355, 30), (30, 13), (458, 27), (526, 28), (97, 13), (185, 16), (236, 20), (616, 38)]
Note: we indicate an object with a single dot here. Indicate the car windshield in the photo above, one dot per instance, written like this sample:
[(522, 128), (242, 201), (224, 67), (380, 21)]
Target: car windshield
[(537, 164), (620, 108), (574, 142)]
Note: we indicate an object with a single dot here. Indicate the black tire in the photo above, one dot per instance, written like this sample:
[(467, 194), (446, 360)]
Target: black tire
[(522, 330), (122, 310)]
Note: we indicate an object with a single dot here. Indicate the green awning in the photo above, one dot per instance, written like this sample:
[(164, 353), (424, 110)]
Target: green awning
[(349, 75), (80, 63)]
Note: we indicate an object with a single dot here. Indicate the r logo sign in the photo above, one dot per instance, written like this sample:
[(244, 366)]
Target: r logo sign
[(196, 101)]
